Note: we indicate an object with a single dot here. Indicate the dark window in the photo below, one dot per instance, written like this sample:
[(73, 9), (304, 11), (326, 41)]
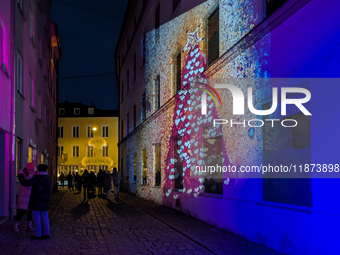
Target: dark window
[(158, 92), (213, 147), (127, 81), (127, 167), (273, 5), (178, 165), (285, 146), (178, 72), (60, 132), (143, 107), (134, 67), (213, 37), (158, 165), (134, 23), (175, 3), (134, 167), (134, 116)]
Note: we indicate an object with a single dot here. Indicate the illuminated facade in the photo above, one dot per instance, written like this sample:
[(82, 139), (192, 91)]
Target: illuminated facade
[(30, 50), (87, 138), (162, 47)]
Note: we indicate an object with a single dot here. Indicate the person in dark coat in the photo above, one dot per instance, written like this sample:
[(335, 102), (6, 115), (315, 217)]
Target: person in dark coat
[(100, 180), (108, 184), (76, 180), (39, 201), (85, 178), (69, 179), (116, 181), (62, 179)]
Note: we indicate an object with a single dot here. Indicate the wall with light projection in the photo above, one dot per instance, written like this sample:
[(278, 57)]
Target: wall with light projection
[(285, 215)]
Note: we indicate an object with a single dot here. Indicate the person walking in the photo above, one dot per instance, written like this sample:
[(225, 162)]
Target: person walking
[(69, 179), (76, 179), (23, 200), (108, 181), (100, 180), (62, 179), (85, 179), (116, 181), (39, 201)]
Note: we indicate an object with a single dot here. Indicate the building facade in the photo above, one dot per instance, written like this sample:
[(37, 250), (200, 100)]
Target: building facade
[(166, 46), (87, 138), (30, 51)]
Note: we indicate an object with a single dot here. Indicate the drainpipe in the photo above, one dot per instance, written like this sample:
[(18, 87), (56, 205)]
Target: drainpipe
[(12, 124)]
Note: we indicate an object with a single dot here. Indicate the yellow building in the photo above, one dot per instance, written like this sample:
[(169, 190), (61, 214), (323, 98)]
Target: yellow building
[(87, 138)]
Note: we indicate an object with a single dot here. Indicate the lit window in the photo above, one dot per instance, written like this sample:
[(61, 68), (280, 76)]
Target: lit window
[(61, 132), (90, 111), (105, 131), (75, 151), (75, 132)]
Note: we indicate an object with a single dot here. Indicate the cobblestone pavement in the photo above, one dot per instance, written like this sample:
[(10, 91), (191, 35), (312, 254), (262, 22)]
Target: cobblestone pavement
[(129, 226)]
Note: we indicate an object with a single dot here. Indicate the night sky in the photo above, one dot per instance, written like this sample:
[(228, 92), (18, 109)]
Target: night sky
[(88, 32)]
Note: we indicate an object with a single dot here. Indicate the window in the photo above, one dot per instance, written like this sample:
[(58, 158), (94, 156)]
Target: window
[(134, 67), (62, 111), (18, 156), (105, 151), (134, 117), (39, 106), (143, 114), (175, 3), (31, 92), (76, 111), (75, 151), (127, 81), (178, 70), (60, 151), (75, 132), (19, 73), (157, 22), (284, 146), (122, 93), (31, 24), (31, 154), (89, 151), (134, 23), (134, 167), (144, 48), (42, 158), (158, 93), (178, 165), (213, 37), (90, 111), (127, 124), (212, 144), (273, 5), (89, 132), (144, 166), (105, 131), (61, 132), (122, 130), (158, 165)]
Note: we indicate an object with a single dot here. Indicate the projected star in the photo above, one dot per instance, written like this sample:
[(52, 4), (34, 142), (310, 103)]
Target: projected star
[(193, 39)]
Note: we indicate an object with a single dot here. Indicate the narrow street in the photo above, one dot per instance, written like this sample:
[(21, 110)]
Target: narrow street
[(130, 226)]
